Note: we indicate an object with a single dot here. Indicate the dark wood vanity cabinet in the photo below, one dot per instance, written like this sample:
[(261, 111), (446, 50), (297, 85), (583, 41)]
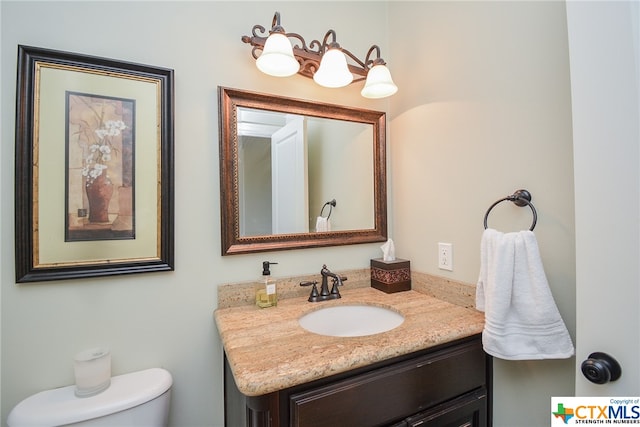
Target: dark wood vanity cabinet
[(449, 385)]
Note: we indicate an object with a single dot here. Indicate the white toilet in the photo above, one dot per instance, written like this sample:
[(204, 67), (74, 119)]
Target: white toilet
[(135, 399)]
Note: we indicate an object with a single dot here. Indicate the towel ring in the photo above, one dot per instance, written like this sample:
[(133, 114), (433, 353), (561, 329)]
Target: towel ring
[(519, 198), (331, 204)]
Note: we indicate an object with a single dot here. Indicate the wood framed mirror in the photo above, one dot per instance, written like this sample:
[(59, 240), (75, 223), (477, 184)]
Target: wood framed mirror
[(299, 174)]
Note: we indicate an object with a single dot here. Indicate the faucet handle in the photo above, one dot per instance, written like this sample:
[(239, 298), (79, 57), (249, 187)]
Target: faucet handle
[(337, 281), (313, 297)]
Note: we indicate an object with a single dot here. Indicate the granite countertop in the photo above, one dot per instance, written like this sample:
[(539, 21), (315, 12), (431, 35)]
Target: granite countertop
[(268, 351)]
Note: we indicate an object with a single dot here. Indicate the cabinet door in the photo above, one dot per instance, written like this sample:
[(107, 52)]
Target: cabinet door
[(469, 410), (392, 393)]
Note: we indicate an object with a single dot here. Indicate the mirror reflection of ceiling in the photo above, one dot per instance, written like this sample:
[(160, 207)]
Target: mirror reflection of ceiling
[(331, 160)]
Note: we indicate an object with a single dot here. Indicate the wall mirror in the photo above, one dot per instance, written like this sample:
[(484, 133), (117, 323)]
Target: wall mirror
[(299, 174)]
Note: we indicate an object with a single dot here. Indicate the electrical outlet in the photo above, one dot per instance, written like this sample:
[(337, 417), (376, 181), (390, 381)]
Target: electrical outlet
[(445, 256)]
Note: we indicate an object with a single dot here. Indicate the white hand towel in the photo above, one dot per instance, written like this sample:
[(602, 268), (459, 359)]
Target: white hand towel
[(522, 321), (322, 224)]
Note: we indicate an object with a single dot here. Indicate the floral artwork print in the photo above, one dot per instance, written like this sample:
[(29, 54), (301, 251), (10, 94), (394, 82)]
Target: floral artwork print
[(100, 150), (99, 176)]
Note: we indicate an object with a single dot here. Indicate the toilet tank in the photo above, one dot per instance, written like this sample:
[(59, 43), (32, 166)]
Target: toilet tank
[(136, 399)]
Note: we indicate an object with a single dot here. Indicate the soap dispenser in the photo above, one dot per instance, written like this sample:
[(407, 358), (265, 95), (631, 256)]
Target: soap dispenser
[(266, 292)]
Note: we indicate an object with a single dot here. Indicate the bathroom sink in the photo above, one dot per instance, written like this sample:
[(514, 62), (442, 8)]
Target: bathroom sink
[(351, 320)]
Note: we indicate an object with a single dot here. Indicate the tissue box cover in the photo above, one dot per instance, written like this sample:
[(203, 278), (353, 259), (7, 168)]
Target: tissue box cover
[(390, 276)]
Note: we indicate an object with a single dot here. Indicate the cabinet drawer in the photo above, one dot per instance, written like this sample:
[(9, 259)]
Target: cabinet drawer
[(469, 410), (392, 393)]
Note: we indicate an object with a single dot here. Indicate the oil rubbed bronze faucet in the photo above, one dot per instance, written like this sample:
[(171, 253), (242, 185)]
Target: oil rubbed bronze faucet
[(324, 293)]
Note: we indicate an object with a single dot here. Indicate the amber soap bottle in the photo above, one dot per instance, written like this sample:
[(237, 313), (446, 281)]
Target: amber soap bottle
[(266, 291)]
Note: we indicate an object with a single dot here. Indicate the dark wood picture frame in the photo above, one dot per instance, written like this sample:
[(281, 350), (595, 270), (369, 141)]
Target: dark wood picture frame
[(53, 166)]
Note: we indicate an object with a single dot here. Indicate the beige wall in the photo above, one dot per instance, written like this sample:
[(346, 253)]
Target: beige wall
[(343, 169), (483, 109), (162, 319)]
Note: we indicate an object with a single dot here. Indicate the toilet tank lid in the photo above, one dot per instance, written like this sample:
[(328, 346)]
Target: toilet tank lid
[(60, 406)]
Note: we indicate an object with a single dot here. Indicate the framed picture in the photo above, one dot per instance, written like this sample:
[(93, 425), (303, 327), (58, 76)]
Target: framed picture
[(94, 167)]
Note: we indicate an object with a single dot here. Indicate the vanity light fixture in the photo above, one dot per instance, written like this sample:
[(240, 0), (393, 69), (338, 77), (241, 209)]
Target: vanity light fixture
[(325, 62)]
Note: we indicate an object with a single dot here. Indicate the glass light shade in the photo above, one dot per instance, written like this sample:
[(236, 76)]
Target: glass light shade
[(277, 57), (379, 83), (333, 70)]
